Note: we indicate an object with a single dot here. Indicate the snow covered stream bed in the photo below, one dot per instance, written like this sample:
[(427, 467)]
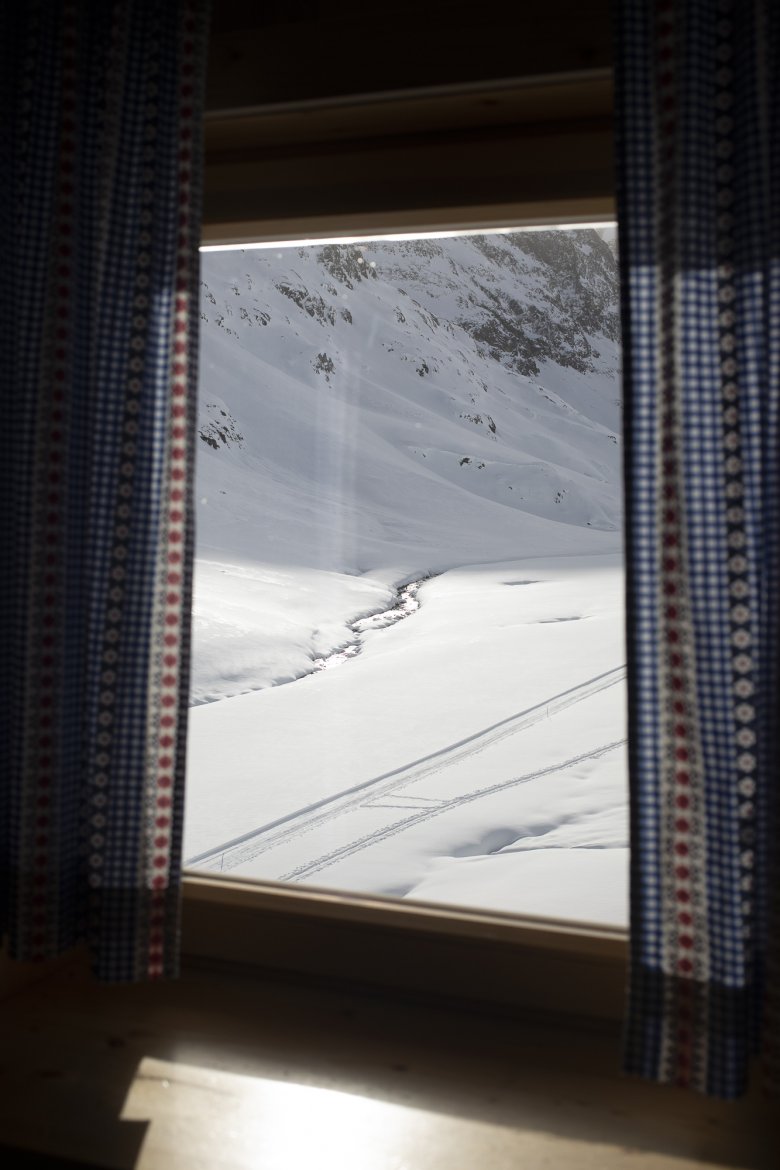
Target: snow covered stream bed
[(403, 605)]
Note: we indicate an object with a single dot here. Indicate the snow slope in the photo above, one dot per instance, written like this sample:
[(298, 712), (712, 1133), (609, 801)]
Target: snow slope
[(370, 416)]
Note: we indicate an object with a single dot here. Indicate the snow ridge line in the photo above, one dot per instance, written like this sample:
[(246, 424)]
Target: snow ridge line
[(426, 814), (240, 850)]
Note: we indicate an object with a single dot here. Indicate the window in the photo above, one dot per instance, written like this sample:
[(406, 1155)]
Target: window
[(416, 162), (410, 474)]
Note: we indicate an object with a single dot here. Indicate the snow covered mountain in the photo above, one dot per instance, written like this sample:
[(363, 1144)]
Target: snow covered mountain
[(442, 412), (454, 373), (390, 409)]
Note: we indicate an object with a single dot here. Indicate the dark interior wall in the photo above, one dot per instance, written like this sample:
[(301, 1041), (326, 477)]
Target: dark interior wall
[(293, 50), (405, 115)]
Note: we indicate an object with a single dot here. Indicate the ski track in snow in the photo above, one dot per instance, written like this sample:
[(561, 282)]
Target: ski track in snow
[(365, 842), (230, 854)]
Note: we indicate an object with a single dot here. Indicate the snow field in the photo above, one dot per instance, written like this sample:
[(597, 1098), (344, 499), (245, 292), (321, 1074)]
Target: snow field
[(491, 758)]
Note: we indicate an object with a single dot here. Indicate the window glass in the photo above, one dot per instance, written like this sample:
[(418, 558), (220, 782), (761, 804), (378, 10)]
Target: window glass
[(409, 665)]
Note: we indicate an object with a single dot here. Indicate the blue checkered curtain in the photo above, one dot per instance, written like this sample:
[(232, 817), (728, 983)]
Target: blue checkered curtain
[(699, 223), (100, 230)]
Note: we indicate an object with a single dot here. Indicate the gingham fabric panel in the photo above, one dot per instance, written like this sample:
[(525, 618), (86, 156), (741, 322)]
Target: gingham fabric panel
[(101, 223), (698, 232)]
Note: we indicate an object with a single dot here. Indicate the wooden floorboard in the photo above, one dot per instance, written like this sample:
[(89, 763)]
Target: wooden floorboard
[(224, 1069)]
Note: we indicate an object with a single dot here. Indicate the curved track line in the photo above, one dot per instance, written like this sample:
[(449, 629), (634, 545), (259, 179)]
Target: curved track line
[(365, 842), (245, 848)]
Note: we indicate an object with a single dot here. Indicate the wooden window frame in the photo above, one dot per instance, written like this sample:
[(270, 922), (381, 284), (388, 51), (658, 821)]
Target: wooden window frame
[(375, 165)]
